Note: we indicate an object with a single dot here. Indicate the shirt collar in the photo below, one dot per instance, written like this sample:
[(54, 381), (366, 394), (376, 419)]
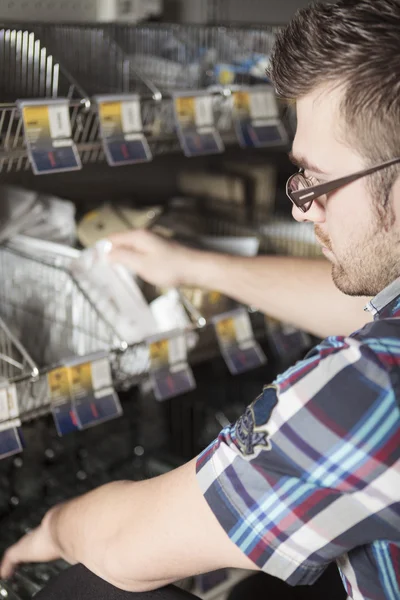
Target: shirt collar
[(387, 302)]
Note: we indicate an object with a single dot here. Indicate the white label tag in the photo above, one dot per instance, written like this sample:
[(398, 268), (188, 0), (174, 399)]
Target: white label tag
[(244, 331), (177, 350), (8, 403), (4, 412), (204, 116), (263, 104), (101, 374), (59, 123), (131, 116), (13, 402)]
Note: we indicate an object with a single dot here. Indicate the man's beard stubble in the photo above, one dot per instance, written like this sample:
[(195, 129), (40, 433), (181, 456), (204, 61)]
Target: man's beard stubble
[(368, 267)]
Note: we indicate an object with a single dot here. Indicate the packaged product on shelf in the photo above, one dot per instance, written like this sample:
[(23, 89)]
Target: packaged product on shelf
[(108, 219), (37, 215), (263, 176), (226, 188)]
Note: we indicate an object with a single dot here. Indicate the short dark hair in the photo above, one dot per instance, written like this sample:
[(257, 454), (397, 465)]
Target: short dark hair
[(354, 43)]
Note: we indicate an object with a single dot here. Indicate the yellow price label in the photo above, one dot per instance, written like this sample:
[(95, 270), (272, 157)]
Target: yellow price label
[(110, 111), (185, 108), (159, 353), (214, 297), (226, 330), (242, 101)]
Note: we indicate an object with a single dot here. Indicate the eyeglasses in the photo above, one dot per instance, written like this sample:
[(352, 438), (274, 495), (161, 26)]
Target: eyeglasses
[(302, 193)]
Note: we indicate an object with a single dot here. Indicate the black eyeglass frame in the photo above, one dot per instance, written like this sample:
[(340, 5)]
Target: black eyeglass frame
[(305, 197)]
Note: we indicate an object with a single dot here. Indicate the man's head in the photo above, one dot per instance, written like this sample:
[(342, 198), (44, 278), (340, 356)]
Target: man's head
[(341, 63)]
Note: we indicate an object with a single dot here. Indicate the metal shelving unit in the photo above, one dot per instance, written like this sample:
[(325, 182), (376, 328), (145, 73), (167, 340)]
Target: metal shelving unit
[(78, 62)]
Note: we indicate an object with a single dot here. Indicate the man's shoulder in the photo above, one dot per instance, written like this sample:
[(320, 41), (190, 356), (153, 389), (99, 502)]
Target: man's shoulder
[(381, 328), (382, 334), (371, 352)]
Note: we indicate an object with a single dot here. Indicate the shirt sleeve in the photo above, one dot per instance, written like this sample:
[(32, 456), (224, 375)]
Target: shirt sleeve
[(304, 475)]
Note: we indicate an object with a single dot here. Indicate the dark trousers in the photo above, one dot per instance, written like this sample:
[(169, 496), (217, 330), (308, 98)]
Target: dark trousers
[(77, 583)]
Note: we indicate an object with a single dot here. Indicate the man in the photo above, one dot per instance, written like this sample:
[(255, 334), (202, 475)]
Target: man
[(310, 474)]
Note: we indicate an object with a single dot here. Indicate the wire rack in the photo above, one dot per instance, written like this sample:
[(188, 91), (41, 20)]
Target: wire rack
[(187, 57), (18, 368), (54, 316), (30, 70), (78, 62)]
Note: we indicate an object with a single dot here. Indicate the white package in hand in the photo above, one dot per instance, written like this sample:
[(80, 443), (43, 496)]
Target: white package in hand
[(115, 293)]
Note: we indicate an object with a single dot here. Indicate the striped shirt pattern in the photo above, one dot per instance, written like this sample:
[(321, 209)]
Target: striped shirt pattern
[(310, 473)]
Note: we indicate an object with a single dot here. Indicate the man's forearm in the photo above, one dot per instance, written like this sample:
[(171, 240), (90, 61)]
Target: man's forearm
[(295, 290), (92, 530), (143, 535)]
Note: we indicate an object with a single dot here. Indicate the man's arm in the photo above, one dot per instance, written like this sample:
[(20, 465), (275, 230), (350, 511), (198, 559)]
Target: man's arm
[(295, 290), (137, 536), (299, 291)]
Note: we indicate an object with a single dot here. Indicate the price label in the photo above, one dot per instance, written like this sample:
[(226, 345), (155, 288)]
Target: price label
[(256, 118), (121, 130), (93, 396), (288, 343), (236, 340), (214, 297), (10, 440), (170, 373), (82, 394), (61, 401), (194, 116), (8, 403), (48, 136)]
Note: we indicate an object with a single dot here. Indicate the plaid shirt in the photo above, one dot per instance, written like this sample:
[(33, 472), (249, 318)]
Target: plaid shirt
[(311, 472)]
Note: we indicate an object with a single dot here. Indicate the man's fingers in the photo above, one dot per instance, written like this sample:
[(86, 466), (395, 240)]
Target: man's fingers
[(7, 567), (127, 258), (22, 551), (131, 239), (35, 546)]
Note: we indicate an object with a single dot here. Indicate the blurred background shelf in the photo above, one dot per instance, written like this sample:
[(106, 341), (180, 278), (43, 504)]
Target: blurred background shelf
[(79, 50), (155, 61)]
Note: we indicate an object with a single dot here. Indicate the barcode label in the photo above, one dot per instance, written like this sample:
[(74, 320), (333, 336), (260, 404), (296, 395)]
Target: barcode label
[(13, 409), (4, 412), (101, 374), (8, 403), (244, 331), (59, 123), (177, 350), (131, 116), (204, 116), (263, 104)]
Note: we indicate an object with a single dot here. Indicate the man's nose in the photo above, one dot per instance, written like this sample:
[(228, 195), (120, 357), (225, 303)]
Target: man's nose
[(315, 214)]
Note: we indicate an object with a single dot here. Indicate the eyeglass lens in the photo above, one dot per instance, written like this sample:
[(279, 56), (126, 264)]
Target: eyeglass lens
[(296, 183)]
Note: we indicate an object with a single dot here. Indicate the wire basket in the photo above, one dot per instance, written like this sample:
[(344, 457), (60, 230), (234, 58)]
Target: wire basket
[(54, 316), (17, 367), (188, 57)]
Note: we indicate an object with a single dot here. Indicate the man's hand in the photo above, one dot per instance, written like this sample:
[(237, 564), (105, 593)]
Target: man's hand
[(157, 261), (36, 546)]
